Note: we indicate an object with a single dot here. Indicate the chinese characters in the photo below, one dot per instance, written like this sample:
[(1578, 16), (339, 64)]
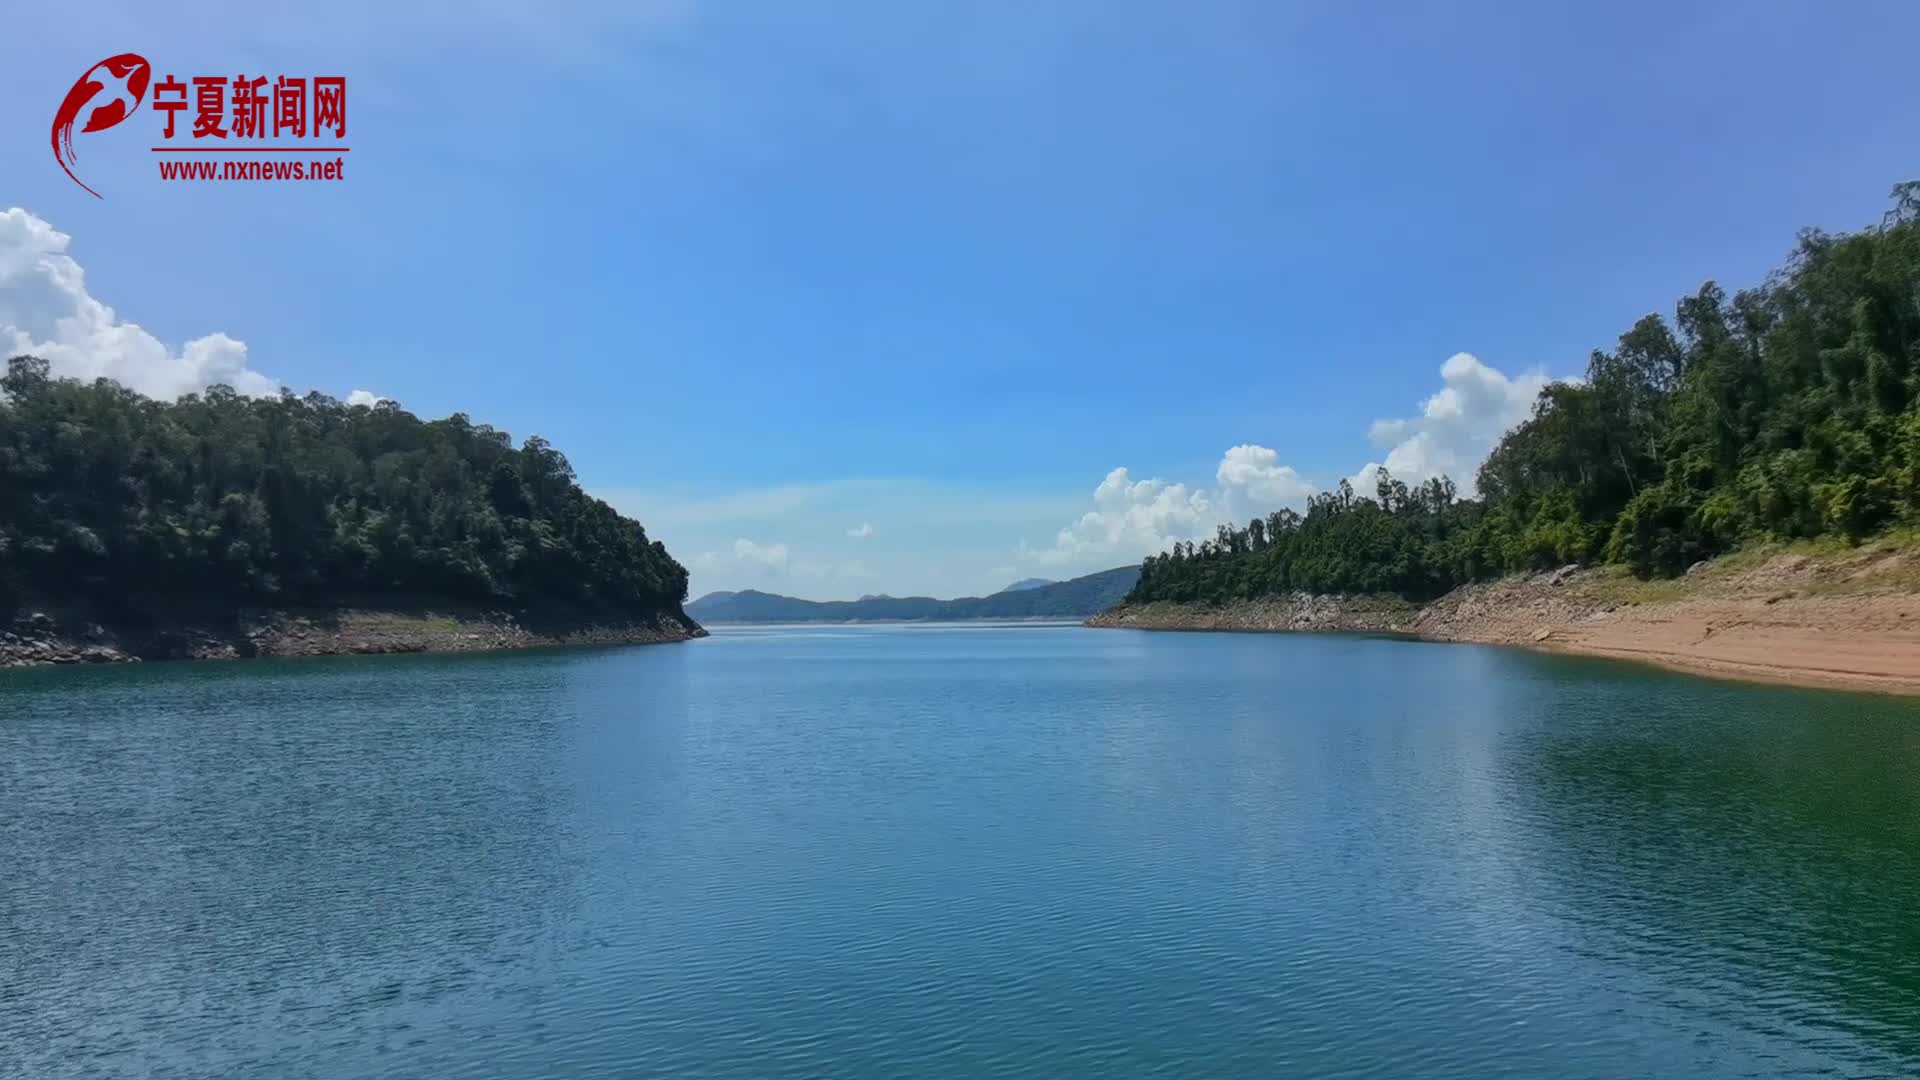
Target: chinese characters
[(254, 108)]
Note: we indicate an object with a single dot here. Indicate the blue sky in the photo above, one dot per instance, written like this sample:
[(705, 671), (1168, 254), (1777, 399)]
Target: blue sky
[(843, 298)]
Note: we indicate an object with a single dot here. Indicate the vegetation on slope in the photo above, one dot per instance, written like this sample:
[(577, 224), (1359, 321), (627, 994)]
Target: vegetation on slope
[(135, 506), (1788, 411)]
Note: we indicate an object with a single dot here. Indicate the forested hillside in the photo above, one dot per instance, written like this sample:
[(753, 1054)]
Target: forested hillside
[(1788, 410), (136, 506)]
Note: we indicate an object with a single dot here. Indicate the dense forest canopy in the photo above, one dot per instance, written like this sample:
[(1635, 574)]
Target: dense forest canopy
[(1790, 410), (139, 506)]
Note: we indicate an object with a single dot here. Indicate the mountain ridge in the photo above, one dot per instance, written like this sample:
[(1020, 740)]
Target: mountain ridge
[(1075, 598)]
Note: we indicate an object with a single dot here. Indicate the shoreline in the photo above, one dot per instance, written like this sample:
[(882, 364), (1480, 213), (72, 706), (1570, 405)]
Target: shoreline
[(1838, 623), (37, 639)]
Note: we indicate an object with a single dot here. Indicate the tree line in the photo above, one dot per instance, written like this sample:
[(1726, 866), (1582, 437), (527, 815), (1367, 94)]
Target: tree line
[(137, 507), (1789, 410)]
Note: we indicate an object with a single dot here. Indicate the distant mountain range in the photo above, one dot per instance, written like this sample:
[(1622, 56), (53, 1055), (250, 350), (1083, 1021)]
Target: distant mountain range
[(1028, 583), (1075, 599)]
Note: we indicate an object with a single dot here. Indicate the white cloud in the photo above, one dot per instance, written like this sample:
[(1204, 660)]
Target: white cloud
[(862, 531), (772, 556), (1252, 481), (365, 397), (773, 561), (1135, 518), (1131, 518), (45, 310), (1457, 427)]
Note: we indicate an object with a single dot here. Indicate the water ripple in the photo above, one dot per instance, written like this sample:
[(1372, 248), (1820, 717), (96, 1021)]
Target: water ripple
[(1005, 852)]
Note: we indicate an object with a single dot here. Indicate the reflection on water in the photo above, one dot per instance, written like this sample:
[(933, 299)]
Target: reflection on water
[(954, 852), (1759, 850)]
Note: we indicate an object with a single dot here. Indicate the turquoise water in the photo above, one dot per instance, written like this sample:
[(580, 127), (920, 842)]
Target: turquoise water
[(955, 852)]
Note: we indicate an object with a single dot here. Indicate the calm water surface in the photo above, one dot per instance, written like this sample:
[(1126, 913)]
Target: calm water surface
[(979, 851)]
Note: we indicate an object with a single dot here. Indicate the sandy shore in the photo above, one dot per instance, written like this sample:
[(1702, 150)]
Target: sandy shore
[(1848, 621)]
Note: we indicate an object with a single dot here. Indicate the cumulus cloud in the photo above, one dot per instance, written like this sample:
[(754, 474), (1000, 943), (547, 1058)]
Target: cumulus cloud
[(1457, 427), (1455, 430), (365, 397), (46, 310), (1134, 518), (861, 531), (1252, 481), (1130, 518)]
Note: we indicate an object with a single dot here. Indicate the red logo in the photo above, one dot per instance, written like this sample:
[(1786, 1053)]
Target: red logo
[(123, 79), (251, 121)]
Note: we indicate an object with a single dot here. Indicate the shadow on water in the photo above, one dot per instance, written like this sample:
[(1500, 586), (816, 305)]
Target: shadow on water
[(1758, 847)]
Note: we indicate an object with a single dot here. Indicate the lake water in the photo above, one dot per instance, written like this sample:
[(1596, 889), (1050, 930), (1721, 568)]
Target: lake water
[(955, 852)]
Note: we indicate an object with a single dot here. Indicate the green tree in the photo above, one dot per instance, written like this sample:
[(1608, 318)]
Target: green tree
[(218, 500), (1788, 410)]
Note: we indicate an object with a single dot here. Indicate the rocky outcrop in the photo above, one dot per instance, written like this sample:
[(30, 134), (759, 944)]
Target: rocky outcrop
[(37, 638), (1296, 611), (1516, 610)]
